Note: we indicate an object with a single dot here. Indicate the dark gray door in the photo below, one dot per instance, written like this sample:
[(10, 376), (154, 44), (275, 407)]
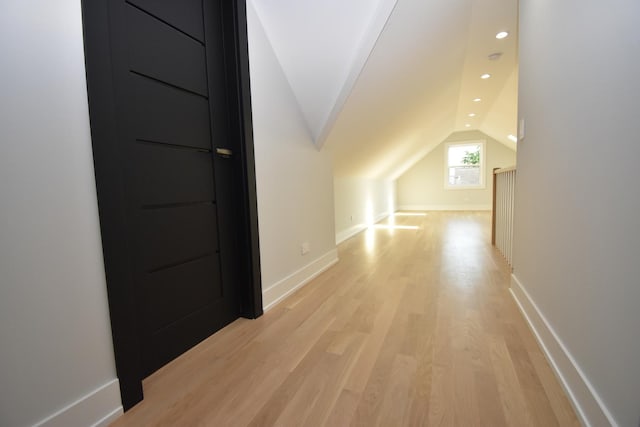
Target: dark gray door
[(168, 71)]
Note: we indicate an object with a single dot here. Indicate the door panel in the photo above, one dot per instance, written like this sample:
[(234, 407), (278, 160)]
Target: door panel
[(172, 293), (183, 334), (184, 15), (163, 175), (163, 113), (156, 49), (172, 236)]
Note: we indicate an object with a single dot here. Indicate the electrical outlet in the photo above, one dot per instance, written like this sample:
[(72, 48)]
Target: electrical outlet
[(305, 248)]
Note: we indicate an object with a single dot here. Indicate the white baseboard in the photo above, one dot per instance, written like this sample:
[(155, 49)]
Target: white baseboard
[(97, 409), (343, 235), (445, 208), (588, 405), (381, 216), (285, 287)]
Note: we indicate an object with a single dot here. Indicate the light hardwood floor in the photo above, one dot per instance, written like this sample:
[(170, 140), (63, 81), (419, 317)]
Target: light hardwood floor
[(414, 326)]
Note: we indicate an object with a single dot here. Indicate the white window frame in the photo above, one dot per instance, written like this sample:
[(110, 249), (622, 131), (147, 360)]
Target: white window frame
[(483, 162)]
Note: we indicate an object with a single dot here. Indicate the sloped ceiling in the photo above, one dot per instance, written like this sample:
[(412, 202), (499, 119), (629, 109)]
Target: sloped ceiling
[(322, 47), (382, 82)]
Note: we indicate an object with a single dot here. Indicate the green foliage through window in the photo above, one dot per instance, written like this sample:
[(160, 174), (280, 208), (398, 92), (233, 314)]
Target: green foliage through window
[(471, 158)]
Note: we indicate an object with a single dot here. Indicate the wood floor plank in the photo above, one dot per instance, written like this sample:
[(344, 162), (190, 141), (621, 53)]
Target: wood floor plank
[(558, 399), (441, 399), (510, 390), (420, 391), (380, 376), (490, 412), (395, 403), (282, 396), (414, 326), (466, 411), (334, 378), (343, 409), (359, 377)]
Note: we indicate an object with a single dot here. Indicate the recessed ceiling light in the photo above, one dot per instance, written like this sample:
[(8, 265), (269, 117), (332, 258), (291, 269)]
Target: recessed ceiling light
[(501, 35), (471, 114), (512, 138), (467, 125), (485, 76), (477, 99)]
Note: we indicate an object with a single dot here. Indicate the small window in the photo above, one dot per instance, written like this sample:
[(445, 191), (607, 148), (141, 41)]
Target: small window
[(464, 165)]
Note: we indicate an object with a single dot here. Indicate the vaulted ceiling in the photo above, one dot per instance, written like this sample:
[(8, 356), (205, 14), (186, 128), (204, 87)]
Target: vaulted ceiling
[(382, 82)]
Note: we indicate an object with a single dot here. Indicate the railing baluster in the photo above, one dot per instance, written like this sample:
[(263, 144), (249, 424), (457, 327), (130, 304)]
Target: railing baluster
[(503, 206)]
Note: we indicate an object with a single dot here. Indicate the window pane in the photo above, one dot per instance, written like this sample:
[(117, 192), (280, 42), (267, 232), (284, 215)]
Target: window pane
[(457, 153), (464, 165), (464, 175)]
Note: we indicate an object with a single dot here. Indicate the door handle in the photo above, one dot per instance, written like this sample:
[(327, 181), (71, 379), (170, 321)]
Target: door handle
[(224, 152)]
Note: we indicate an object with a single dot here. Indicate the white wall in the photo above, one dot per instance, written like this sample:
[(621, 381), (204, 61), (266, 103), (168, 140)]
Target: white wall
[(422, 186), (360, 202), (55, 339), (319, 63), (577, 214), (294, 179)]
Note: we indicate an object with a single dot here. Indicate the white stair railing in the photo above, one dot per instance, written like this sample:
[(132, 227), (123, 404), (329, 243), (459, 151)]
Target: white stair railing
[(504, 185)]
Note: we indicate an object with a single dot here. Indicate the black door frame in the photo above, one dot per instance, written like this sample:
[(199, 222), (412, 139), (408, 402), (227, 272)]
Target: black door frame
[(110, 185)]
